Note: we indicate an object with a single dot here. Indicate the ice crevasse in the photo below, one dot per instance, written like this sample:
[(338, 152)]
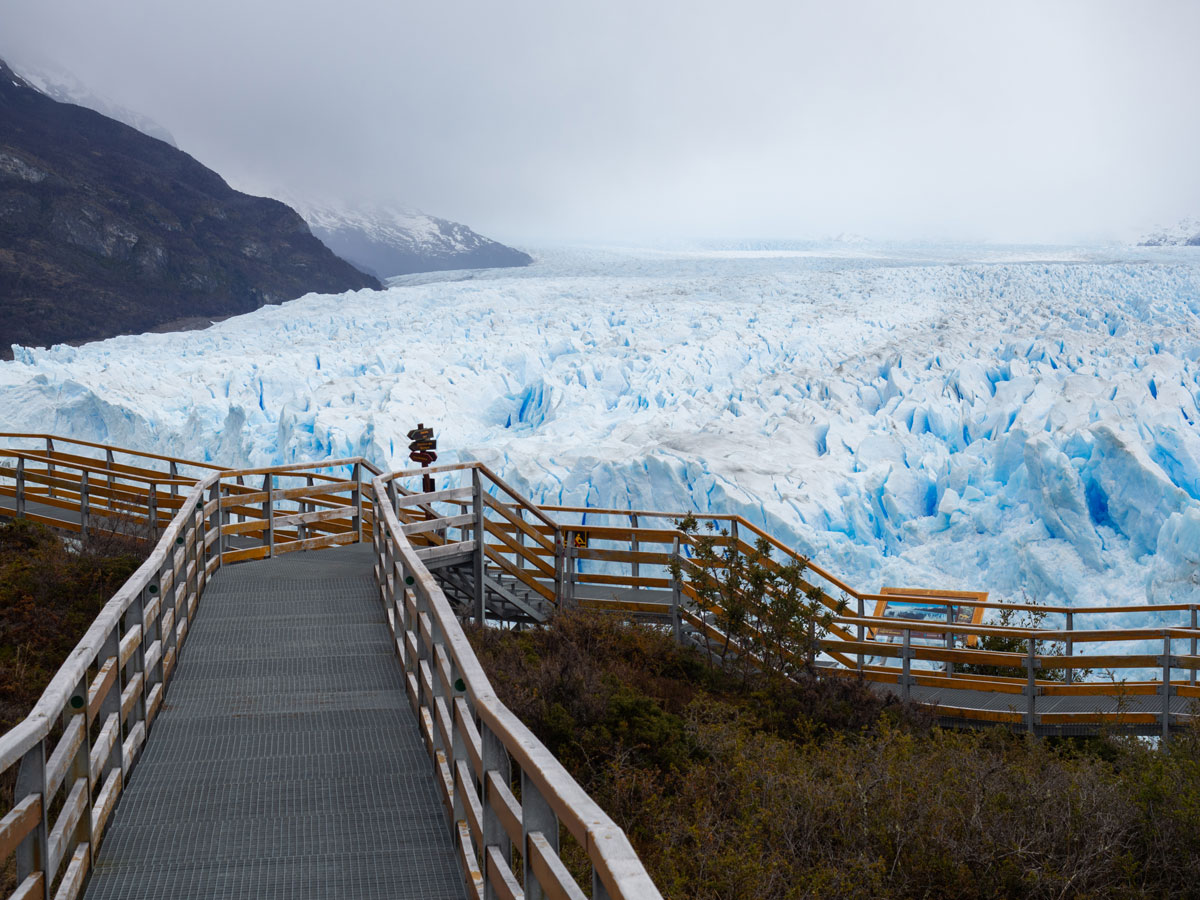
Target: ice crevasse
[(1024, 426)]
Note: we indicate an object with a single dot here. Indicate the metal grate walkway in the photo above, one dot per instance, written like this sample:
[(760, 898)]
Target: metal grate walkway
[(286, 761)]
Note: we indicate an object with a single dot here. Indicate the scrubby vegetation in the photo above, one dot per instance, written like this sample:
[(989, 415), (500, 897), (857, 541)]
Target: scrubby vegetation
[(50, 591), (743, 787)]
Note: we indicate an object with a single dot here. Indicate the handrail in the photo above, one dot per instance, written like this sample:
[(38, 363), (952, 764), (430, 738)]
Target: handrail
[(113, 448), (119, 669), (546, 785)]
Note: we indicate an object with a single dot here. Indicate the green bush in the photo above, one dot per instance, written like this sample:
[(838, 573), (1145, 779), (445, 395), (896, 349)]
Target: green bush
[(782, 790), (50, 592)]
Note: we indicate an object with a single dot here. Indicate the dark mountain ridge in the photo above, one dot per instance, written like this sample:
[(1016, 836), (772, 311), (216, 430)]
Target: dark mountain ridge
[(106, 231)]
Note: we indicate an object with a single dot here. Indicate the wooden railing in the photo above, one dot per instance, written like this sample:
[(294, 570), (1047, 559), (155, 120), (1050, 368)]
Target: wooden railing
[(71, 757), (73, 754), (482, 752), (626, 554)]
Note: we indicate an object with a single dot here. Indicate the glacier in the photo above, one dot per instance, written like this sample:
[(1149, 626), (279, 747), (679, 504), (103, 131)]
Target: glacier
[(1017, 420)]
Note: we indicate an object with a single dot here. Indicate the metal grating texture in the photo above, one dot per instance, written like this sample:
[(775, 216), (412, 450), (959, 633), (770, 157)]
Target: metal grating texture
[(286, 762)]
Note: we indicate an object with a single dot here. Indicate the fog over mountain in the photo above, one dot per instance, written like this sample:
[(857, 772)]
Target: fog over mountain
[(620, 120)]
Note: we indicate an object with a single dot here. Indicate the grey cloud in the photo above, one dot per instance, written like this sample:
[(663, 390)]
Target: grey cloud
[(533, 120)]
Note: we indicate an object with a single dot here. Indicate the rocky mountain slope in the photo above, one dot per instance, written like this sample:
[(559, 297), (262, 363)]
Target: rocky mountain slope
[(388, 241), (105, 230)]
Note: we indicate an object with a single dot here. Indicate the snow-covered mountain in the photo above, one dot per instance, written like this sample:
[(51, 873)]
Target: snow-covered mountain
[(388, 241), (1184, 234), (62, 85), (1023, 421)]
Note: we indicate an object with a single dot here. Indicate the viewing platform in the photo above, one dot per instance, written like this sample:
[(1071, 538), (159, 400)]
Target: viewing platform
[(245, 718)]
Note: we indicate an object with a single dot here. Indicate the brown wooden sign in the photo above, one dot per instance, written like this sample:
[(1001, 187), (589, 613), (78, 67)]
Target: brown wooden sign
[(421, 450)]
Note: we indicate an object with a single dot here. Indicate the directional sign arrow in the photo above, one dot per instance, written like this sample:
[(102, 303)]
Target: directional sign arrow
[(420, 433), (424, 457), (422, 445)]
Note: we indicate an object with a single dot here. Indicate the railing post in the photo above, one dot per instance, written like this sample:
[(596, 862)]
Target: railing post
[(478, 559), (214, 520), (196, 527), (1031, 686), (225, 518), (862, 636), (81, 767), (536, 816), (1167, 689), (174, 469), (269, 514), (676, 595), (111, 704), (152, 631), (634, 543), (495, 759), (906, 666), (1070, 644), (33, 853), (135, 614), (109, 462), (49, 467), (83, 503), (559, 565), (569, 564), (152, 512), (356, 498), (20, 487), (949, 641), (1192, 648)]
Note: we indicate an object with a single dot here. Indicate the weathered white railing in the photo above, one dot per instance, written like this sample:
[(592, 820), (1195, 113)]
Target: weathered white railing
[(73, 755), (481, 750), (74, 752)]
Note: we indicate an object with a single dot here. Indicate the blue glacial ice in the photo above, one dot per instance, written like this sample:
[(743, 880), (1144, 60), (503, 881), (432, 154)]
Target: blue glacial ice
[(1021, 421)]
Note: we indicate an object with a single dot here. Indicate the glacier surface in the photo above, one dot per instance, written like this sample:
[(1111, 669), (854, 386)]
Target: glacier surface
[(1018, 420)]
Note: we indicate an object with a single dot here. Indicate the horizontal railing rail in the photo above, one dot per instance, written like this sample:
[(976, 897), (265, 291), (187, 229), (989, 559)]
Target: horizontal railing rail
[(71, 758), (482, 750)]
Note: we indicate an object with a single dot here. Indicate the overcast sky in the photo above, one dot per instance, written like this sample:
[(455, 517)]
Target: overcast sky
[(628, 120)]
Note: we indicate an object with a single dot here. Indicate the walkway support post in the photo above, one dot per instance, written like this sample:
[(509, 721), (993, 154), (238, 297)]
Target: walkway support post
[(633, 543), (495, 765), (50, 473), (559, 564), (33, 854), (906, 666), (949, 640), (1070, 645), (356, 499), (538, 823), (152, 511), (1192, 642), (214, 521), (269, 515), (1031, 686), (569, 565), (83, 503), (21, 491), (862, 635), (1167, 689), (676, 596), (477, 560)]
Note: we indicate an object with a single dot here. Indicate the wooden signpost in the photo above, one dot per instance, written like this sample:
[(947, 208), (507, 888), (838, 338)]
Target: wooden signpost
[(421, 451)]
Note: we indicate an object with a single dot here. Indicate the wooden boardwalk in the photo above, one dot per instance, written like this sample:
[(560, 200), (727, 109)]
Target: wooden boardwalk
[(286, 761), (317, 724)]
